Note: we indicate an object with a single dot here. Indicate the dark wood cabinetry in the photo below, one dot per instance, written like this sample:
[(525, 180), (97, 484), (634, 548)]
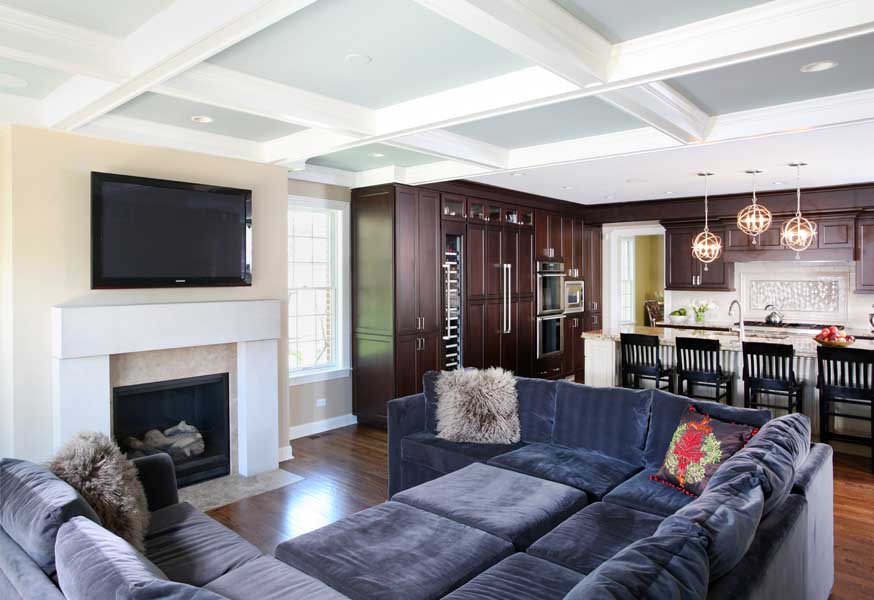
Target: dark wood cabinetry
[(548, 235), (865, 254), (684, 272), (592, 252), (572, 247), (573, 360)]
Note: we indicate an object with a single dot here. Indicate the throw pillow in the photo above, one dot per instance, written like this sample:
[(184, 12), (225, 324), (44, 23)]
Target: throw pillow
[(94, 465), (478, 406), (700, 444)]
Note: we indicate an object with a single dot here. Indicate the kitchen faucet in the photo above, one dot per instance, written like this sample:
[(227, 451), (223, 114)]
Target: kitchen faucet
[(740, 316)]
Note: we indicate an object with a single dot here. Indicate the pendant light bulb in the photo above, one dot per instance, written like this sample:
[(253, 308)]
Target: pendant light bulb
[(755, 219), (707, 246), (798, 233)]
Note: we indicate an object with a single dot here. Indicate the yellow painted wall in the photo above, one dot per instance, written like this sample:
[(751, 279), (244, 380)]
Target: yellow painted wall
[(649, 272)]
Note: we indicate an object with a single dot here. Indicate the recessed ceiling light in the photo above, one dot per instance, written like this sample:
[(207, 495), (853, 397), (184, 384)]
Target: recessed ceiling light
[(201, 119), (11, 81), (356, 58), (777, 182), (669, 193), (376, 155), (820, 65), (517, 174), (567, 187)]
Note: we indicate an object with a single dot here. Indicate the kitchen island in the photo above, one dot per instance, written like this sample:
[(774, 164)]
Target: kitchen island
[(603, 362)]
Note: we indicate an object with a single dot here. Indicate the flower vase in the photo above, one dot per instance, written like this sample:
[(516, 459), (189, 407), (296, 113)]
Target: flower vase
[(700, 317)]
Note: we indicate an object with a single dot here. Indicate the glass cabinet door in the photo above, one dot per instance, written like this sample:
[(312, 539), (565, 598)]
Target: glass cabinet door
[(453, 207), (476, 210), (526, 217), (511, 215), (493, 213)]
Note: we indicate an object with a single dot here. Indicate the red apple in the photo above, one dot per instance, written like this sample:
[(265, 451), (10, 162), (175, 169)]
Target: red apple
[(824, 332), (833, 329)]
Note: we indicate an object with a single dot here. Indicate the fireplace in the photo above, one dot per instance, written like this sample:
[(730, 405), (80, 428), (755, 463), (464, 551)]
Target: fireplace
[(186, 418)]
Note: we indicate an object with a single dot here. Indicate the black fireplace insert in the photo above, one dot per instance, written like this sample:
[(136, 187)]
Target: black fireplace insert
[(185, 418)]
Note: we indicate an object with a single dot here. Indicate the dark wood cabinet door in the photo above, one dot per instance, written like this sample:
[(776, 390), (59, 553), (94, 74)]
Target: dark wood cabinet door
[(719, 274), (579, 347), (373, 377), (556, 239), (427, 357), (510, 256), (475, 262), (578, 264), (835, 233), (524, 273), (592, 321), (509, 340), (680, 272), (593, 268), (770, 240), (541, 234), (474, 339), (492, 334), (406, 232), (526, 347), (865, 255), (454, 207), (406, 373), (493, 261), (567, 357), (428, 261), (567, 245), (735, 239)]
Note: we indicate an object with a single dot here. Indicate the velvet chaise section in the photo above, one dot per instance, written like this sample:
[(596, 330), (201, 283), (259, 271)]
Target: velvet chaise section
[(593, 536), (642, 493), (269, 579), (394, 551), (512, 506), (441, 455), (520, 577)]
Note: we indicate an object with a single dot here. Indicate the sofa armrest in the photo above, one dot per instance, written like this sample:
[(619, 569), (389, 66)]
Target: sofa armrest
[(405, 416), (158, 477)]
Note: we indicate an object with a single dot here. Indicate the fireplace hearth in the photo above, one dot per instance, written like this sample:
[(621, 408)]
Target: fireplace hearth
[(186, 418)]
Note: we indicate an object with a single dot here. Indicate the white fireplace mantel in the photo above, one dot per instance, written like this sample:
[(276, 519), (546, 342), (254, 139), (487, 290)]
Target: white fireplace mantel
[(83, 338)]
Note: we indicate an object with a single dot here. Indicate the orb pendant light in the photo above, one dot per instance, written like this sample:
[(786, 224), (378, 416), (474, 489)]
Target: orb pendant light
[(798, 233), (707, 246), (755, 219)]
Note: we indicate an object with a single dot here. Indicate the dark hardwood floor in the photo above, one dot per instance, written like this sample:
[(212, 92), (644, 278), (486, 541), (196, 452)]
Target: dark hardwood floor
[(345, 471)]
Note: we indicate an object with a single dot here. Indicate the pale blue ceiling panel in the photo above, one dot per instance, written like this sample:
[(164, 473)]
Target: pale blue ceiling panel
[(24, 79), (778, 79), (414, 52), (622, 20), (372, 156), (178, 112), (552, 123)]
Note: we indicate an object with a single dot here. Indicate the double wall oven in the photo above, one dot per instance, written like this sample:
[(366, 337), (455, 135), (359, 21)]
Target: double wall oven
[(550, 308)]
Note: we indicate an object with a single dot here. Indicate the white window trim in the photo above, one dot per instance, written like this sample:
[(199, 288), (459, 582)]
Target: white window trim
[(344, 313)]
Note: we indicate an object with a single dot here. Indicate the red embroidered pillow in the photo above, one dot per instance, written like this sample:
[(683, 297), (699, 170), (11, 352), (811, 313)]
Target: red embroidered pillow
[(699, 445)]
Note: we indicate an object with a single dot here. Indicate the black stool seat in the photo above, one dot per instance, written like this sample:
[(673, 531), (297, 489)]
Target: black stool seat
[(698, 365), (845, 378), (770, 369), (641, 360)]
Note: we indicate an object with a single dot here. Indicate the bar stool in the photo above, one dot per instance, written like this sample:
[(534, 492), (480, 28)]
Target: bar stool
[(698, 365), (770, 369), (846, 376), (641, 360)]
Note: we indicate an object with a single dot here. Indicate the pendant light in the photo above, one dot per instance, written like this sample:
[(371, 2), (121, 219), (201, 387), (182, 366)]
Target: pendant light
[(707, 246), (798, 233), (755, 219)]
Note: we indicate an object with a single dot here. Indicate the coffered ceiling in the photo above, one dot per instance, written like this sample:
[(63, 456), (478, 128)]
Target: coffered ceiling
[(567, 98)]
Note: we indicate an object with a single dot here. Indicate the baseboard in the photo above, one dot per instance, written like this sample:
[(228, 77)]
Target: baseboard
[(285, 453), (299, 431)]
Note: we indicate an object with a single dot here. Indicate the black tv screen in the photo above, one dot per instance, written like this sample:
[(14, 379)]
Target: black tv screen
[(157, 233)]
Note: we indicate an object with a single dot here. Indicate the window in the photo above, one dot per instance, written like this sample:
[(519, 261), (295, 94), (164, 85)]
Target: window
[(316, 274), (626, 287)]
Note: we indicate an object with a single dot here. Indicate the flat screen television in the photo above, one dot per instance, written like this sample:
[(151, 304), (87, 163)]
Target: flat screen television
[(157, 233)]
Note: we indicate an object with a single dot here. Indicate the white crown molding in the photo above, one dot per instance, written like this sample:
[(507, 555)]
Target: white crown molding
[(663, 107), (319, 174), (301, 145), (763, 30), (451, 146), (218, 86), (57, 45), (389, 174), (138, 131)]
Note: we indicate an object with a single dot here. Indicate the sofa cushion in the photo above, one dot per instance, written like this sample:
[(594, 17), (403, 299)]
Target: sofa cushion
[(592, 472), (521, 577), (191, 548), (270, 579), (700, 444), (594, 535), (441, 455), (20, 577), (536, 406), (34, 503), (478, 405), (729, 514), (94, 564), (642, 493), (394, 551), (512, 506), (667, 409), (654, 568), (612, 421)]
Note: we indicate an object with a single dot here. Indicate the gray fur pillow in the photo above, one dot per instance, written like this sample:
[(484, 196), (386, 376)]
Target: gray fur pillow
[(93, 464), (478, 406)]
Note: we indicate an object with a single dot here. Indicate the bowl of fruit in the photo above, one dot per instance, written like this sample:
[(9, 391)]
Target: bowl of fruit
[(678, 316), (834, 337)]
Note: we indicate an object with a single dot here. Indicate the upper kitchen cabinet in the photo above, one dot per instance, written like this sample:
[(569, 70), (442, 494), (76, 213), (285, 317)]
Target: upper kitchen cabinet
[(572, 247), (453, 207), (865, 254), (835, 240), (548, 235), (592, 254), (684, 272)]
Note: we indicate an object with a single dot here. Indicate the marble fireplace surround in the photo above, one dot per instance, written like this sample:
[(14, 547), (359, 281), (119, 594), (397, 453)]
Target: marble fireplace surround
[(85, 337)]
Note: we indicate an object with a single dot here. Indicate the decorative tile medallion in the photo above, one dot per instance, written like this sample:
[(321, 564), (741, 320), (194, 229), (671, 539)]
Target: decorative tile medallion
[(797, 296)]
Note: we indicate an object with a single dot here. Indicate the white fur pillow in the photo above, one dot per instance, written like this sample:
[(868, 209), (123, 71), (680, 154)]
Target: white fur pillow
[(478, 406)]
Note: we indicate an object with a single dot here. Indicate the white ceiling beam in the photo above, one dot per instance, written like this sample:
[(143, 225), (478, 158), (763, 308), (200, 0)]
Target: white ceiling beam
[(663, 107), (542, 32), (756, 32), (53, 44), (181, 36), (451, 146), (138, 131), (320, 174), (218, 86), (306, 144)]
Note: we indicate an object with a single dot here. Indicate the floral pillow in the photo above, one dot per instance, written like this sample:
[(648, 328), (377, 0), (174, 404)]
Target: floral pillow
[(699, 445)]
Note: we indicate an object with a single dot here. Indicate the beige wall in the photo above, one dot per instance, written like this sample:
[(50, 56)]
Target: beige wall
[(649, 271), (337, 392), (6, 429), (51, 253)]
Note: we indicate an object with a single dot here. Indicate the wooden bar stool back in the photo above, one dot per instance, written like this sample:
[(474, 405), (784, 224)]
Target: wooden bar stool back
[(641, 359), (770, 369), (698, 365)]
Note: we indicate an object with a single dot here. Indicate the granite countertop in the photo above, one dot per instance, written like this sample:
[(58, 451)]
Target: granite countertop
[(728, 340)]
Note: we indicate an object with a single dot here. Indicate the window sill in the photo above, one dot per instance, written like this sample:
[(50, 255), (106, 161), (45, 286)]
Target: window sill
[(316, 376)]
